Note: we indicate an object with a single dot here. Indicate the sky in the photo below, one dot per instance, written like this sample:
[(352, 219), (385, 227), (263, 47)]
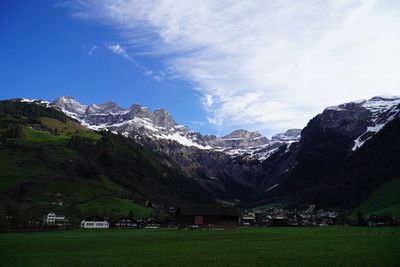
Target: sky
[(263, 65)]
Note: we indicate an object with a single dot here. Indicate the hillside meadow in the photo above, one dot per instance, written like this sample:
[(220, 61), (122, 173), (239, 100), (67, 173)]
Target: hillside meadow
[(321, 246), (49, 162)]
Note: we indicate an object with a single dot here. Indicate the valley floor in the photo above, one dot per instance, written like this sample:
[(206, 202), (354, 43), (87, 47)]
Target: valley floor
[(320, 246)]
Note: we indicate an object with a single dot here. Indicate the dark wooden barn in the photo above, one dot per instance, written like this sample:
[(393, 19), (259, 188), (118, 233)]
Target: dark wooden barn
[(208, 217)]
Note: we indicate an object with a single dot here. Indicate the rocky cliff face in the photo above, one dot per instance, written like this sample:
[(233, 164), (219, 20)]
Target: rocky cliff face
[(360, 120), (329, 140)]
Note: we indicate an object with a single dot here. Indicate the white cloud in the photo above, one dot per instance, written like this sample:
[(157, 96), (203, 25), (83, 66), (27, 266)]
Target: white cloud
[(119, 50), (267, 65)]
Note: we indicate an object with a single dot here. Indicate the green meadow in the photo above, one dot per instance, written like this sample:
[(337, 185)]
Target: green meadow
[(384, 200), (282, 246)]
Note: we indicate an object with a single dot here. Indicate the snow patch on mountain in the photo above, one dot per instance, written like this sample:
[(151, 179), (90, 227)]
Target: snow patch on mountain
[(36, 101), (380, 110), (272, 187), (182, 140), (384, 109)]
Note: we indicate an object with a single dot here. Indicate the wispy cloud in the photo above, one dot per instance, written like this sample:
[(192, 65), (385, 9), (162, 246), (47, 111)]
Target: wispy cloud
[(91, 50), (267, 65), (119, 50), (155, 76)]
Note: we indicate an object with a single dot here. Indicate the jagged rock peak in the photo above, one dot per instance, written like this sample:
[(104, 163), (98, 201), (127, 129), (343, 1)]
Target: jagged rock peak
[(71, 106), (163, 118), (209, 137), (238, 139), (385, 98), (109, 107), (289, 135), (245, 134), (65, 98), (141, 111), (376, 103), (110, 113), (138, 107)]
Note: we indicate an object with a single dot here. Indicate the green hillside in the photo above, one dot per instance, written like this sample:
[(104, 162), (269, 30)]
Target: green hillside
[(384, 200), (50, 162)]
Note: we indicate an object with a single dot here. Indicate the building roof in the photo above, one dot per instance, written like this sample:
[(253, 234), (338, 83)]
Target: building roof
[(126, 218), (278, 217), (94, 219), (207, 210), (57, 213)]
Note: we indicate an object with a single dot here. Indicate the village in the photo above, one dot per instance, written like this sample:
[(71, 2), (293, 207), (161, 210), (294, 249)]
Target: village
[(214, 217)]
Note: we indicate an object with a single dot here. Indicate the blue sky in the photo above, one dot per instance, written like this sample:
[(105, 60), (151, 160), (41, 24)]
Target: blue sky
[(45, 56), (223, 65)]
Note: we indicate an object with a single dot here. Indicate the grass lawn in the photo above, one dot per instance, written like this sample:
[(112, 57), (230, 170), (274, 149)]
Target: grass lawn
[(327, 246)]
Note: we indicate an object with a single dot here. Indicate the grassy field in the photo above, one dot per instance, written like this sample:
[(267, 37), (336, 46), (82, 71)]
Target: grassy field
[(325, 246)]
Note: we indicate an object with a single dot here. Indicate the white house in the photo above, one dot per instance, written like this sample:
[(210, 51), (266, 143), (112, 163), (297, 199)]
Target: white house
[(94, 222), (54, 219)]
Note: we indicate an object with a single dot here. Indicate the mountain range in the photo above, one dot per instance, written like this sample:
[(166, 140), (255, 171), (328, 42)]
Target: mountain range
[(314, 165), (160, 125), (360, 120)]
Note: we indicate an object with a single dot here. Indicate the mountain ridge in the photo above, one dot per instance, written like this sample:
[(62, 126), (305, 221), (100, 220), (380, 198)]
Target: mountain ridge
[(161, 125), (243, 166)]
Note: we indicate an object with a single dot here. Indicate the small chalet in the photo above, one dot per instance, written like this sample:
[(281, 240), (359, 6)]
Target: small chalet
[(125, 222), (94, 222), (52, 218), (208, 217)]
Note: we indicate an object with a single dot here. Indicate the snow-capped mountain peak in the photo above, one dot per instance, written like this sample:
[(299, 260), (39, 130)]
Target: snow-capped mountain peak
[(160, 125), (132, 121), (383, 110), (362, 119), (289, 135), (71, 107), (109, 107)]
